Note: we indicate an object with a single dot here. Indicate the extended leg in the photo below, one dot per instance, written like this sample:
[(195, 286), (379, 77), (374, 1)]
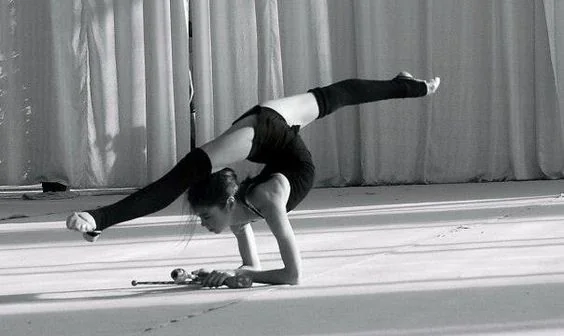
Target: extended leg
[(302, 109), (155, 196), (232, 146), (359, 91)]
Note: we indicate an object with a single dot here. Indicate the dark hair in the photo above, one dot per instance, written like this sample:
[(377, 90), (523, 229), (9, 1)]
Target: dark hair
[(215, 190)]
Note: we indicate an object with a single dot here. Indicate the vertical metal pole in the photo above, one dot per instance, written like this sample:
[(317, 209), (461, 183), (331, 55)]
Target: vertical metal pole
[(192, 94)]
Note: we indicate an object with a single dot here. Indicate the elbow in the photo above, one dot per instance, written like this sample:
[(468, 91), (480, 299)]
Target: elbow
[(293, 277), (294, 282)]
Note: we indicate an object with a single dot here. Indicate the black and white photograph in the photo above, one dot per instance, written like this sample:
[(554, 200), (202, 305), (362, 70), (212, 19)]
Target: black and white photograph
[(281, 167)]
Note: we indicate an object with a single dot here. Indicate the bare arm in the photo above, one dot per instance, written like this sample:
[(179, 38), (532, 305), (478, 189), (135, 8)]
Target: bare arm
[(247, 246), (271, 200)]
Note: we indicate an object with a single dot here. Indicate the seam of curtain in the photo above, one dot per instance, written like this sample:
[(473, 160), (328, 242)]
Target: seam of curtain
[(552, 48), (552, 54), (91, 162)]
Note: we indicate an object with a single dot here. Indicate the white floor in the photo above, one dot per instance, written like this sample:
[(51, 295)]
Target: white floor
[(469, 259)]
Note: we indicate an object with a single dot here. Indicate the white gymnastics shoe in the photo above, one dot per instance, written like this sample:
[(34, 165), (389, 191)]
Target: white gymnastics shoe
[(432, 85), (91, 236), (82, 222)]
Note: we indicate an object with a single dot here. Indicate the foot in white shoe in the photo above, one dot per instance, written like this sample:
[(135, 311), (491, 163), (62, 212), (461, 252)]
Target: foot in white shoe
[(432, 85), (91, 236), (82, 222)]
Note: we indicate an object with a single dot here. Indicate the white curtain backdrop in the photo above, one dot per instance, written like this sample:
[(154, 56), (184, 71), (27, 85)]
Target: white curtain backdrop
[(497, 116), (94, 93)]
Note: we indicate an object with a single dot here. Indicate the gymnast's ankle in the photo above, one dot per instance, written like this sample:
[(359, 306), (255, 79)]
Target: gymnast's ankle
[(418, 90)]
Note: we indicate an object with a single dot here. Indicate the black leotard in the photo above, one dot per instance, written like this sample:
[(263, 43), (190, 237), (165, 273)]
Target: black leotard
[(282, 150)]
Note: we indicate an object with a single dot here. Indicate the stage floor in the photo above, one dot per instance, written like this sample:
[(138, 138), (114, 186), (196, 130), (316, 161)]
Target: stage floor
[(466, 259)]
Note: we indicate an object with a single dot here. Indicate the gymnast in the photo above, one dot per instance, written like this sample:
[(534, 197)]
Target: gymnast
[(267, 134)]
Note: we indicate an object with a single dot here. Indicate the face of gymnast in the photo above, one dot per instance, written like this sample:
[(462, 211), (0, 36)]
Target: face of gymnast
[(213, 200), (217, 218)]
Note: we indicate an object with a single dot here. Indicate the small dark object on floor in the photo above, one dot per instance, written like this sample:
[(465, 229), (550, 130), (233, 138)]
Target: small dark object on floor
[(53, 186), (51, 191)]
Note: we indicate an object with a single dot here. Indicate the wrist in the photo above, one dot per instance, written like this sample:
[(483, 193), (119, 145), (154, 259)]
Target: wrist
[(244, 270), (249, 267)]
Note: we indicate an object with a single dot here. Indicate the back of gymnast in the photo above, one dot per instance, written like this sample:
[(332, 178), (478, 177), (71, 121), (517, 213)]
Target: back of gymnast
[(267, 134)]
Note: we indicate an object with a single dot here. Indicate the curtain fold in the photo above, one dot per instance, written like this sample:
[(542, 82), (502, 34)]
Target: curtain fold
[(109, 87), (549, 40), (95, 93), (14, 100), (497, 115)]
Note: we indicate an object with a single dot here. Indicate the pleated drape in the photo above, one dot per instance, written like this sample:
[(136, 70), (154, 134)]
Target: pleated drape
[(95, 93), (107, 84), (497, 115)]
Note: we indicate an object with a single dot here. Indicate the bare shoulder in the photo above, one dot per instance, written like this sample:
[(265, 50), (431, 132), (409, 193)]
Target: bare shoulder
[(274, 191)]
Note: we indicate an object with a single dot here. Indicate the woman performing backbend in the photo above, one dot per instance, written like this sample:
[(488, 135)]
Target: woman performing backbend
[(268, 134)]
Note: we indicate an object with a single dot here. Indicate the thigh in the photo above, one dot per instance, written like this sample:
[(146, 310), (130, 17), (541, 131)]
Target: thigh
[(298, 110), (232, 146)]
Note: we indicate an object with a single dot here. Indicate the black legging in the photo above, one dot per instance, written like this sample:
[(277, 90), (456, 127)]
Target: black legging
[(359, 91), (156, 196)]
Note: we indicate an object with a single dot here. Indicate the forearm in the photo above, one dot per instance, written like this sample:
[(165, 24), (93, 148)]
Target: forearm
[(247, 247), (250, 260), (255, 267), (280, 276)]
